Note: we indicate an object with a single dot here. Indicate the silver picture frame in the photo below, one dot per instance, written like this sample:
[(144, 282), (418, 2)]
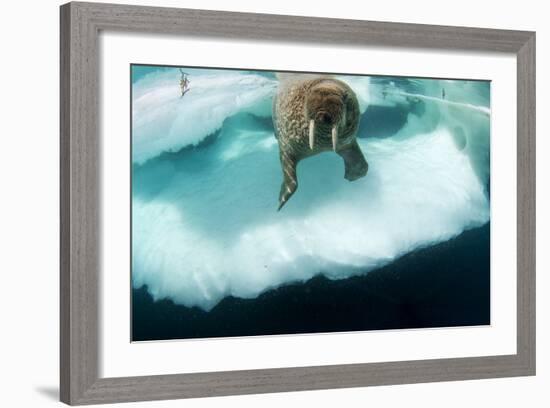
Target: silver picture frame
[(81, 24)]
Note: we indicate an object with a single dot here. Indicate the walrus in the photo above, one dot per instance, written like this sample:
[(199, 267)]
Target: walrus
[(311, 115)]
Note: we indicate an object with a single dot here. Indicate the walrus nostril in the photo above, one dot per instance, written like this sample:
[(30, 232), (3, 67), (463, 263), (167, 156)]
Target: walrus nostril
[(324, 118)]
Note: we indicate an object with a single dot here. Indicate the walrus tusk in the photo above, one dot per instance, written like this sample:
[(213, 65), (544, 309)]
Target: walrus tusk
[(311, 134), (334, 137)]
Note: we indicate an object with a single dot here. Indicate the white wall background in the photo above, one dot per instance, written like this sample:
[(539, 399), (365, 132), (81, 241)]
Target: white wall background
[(29, 204)]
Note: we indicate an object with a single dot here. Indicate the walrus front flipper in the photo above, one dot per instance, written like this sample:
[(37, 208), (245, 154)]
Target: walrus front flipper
[(356, 165), (290, 181)]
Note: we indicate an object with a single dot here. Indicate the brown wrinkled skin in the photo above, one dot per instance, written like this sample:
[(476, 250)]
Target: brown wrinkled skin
[(329, 103)]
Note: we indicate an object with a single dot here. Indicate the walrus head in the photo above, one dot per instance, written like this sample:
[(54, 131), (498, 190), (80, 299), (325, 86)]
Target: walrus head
[(325, 110)]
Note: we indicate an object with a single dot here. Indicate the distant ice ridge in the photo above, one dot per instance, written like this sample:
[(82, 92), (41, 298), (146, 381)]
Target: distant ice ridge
[(164, 122), (461, 107)]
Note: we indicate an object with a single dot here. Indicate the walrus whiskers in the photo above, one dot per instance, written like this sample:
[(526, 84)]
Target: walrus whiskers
[(311, 134), (334, 137)]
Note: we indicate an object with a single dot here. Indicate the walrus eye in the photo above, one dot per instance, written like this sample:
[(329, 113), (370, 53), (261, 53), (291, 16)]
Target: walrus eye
[(345, 97)]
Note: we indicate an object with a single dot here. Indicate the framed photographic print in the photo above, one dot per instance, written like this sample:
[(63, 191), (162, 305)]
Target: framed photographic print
[(259, 203)]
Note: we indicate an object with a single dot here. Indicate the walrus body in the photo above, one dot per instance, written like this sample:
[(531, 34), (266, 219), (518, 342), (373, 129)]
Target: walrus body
[(313, 115)]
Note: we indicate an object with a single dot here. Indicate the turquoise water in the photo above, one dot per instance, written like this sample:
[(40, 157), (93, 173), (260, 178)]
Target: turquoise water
[(206, 178)]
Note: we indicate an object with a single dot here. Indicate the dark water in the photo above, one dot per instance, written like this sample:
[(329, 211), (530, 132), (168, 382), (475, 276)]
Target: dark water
[(445, 285)]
